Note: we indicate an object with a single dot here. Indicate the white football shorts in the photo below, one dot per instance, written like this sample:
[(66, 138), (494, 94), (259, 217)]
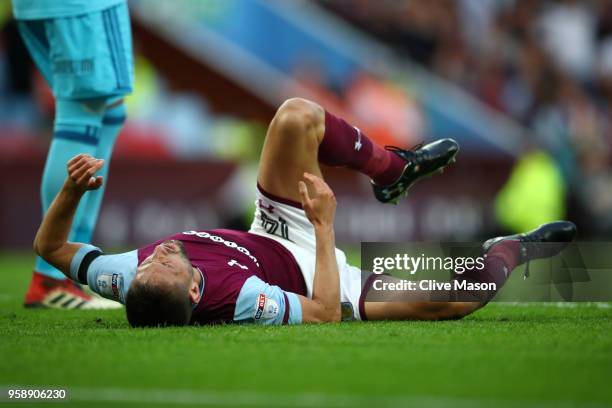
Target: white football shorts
[(285, 222)]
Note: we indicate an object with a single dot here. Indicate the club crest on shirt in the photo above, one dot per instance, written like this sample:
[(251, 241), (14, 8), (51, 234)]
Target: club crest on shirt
[(265, 308)]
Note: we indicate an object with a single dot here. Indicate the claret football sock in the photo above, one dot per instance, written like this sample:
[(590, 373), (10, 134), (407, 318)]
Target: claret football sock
[(499, 261), (344, 145)]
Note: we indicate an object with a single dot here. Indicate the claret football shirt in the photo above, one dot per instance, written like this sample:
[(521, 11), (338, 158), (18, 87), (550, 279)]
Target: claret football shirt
[(247, 277)]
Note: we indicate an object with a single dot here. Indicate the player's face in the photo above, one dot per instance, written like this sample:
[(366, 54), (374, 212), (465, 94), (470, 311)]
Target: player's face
[(168, 258)]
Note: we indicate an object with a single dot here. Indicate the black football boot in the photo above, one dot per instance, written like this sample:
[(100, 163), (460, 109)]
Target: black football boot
[(543, 242), (421, 161)]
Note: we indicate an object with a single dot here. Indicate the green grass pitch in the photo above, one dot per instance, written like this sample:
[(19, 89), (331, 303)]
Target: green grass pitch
[(502, 356)]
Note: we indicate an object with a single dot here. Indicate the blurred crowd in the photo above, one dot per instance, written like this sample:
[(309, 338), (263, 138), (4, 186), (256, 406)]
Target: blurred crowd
[(547, 64)]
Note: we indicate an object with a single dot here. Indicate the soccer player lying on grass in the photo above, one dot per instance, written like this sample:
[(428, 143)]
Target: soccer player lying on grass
[(286, 269)]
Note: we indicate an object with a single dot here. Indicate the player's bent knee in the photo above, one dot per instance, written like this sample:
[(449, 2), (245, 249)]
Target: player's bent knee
[(297, 116)]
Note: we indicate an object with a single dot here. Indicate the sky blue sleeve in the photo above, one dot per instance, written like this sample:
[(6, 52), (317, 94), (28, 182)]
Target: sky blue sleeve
[(75, 263), (261, 303), (107, 275), (110, 276)]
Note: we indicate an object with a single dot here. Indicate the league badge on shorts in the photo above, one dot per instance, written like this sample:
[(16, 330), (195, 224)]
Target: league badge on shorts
[(266, 308)]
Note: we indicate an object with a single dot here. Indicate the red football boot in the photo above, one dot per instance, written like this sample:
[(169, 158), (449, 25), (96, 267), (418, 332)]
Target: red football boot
[(53, 293)]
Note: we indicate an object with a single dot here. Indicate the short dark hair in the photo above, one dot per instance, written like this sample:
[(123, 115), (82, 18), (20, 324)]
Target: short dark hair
[(149, 305)]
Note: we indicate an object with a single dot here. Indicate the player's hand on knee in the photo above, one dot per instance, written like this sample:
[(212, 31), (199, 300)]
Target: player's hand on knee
[(321, 207), (81, 173)]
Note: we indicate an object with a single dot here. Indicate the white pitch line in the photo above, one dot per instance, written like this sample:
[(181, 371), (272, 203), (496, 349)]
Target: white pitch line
[(302, 400)]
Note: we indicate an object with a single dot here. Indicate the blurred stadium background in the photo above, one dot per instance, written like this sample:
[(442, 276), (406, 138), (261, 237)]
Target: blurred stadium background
[(524, 86)]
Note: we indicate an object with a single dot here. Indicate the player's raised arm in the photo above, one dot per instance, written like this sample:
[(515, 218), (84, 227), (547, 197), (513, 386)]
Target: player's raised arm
[(51, 239), (320, 210)]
